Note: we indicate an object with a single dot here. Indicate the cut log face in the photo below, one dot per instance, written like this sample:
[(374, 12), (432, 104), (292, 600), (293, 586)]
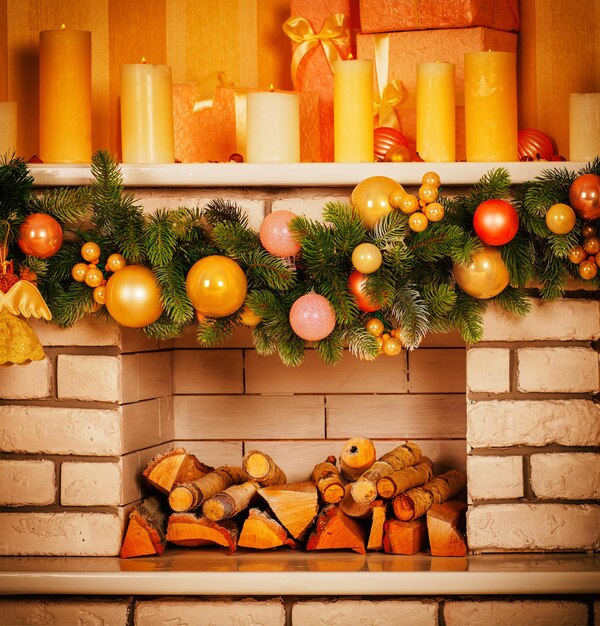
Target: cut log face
[(337, 531), (145, 533), (295, 505), (328, 480), (261, 532), (353, 508), (405, 537), (187, 529), (171, 468), (375, 541), (446, 528), (263, 469), (357, 456)]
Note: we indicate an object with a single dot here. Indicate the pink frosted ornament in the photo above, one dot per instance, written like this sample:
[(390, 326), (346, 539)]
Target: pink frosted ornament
[(312, 317), (275, 234)]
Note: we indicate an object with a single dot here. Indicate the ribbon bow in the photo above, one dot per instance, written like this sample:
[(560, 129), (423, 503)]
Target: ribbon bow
[(206, 90), (334, 34)]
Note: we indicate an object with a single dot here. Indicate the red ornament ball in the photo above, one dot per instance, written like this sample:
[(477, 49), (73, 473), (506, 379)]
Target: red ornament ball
[(276, 236), (40, 236), (535, 144), (386, 137), (356, 283), (496, 222), (584, 196), (312, 317)]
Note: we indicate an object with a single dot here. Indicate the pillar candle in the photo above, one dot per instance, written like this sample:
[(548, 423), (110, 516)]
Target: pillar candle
[(491, 106), (436, 135), (353, 111), (147, 113), (8, 128), (272, 127), (65, 96), (584, 126)]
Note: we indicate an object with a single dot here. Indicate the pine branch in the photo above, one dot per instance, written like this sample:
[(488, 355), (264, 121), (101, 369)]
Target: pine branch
[(263, 342), (331, 349), (160, 237), (391, 230), (163, 329), (467, 316), (214, 331), (349, 230), (519, 256), (410, 314), (440, 298), (177, 305), (218, 211), (362, 344), (513, 301), (71, 304), (494, 184), (16, 184), (66, 204), (291, 351)]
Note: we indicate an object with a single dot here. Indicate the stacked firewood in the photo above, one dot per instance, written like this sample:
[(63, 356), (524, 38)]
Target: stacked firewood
[(392, 503)]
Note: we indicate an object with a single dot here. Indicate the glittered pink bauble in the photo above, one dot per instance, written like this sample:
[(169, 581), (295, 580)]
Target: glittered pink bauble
[(386, 137), (312, 317), (275, 234), (535, 144)]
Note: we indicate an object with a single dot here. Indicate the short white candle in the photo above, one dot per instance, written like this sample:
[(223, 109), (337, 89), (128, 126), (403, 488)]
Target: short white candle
[(584, 126), (8, 128)]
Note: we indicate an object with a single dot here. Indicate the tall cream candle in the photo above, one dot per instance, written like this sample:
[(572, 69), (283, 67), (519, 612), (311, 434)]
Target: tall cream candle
[(8, 128), (147, 113), (436, 110), (353, 111), (491, 130), (272, 127), (584, 126), (65, 96)]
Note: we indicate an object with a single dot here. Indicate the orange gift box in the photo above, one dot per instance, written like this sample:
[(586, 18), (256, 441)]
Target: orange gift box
[(405, 50), (379, 16)]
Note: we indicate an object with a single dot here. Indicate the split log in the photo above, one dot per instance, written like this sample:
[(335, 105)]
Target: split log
[(230, 502), (171, 468), (375, 541), (261, 532), (335, 530), (145, 533), (328, 480), (405, 537), (357, 456), (402, 480), (364, 490), (446, 527), (188, 529), (261, 468), (353, 508), (190, 496), (416, 502), (295, 505)]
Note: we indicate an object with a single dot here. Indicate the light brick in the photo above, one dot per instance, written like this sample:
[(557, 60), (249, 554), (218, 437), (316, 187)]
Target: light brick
[(64, 534), (533, 527), (27, 381), (494, 477), (567, 319), (558, 370), (87, 332), (89, 377), (27, 483), (90, 484), (570, 475), (210, 612), (213, 453), (488, 370), (516, 613), (365, 613), (208, 371), (53, 430), (146, 375), (533, 423), (80, 612), (141, 424), (310, 205)]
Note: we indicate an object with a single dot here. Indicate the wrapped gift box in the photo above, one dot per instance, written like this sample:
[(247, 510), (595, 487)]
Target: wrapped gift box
[(379, 16), (407, 49)]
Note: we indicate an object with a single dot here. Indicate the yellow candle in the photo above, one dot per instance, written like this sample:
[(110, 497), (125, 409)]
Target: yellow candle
[(584, 126), (353, 111), (436, 136), (65, 96), (147, 113), (491, 106), (272, 127), (8, 128)]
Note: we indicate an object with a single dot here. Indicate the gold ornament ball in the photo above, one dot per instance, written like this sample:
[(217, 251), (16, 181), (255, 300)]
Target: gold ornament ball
[(589, 230), (418, 222), (591, 245), (115, 262), (90, 251), (431, 178), (434, 212), (93, 277), (79, 271), (396, 198), (366, 258), (391, 346), (408, 203), (428, 193), (560, 219), (588, 270), (132, 297), (40, 236), (397, 154), (374, 326), (248, 317), (485, 276), (216, 285), (577, 255), (371, 198), (100, 294), (597, 259)]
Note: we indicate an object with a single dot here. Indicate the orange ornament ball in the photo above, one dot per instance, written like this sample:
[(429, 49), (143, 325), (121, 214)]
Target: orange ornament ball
[(93, 277), (560, 219), (428, 193), (100, 294), (90, 251), (249, 318), (588, 270), (584, 196), (391, 346), (485, 276), (40, 236), (115, 262), (591, 245), (434, 212), (408, 204), (356, 283), (374, 326), (79, 271), (431, 178), (418, 222), (577, 255)]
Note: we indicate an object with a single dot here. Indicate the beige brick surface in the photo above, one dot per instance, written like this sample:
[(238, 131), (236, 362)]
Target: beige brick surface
[(210, 612), (146, 375), (560, 320), (365, 613), (311, 205), (516, 613), (87, 332), (26, 381), (488, 370), (68, 534), (53, 430), (80, 612), (208, 371), (437, 371), (89, 377), (142, 424), (493, 477), (558, 370), (215, 453), (533, 423), (570, 475), (24, 483), (90, 484), (536, 527)]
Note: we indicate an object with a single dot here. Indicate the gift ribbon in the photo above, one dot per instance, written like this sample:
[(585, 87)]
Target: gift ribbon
[(334, 34), (206, 90)]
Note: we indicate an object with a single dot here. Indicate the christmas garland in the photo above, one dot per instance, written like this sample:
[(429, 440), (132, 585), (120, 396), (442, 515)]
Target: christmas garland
[(425, 255)]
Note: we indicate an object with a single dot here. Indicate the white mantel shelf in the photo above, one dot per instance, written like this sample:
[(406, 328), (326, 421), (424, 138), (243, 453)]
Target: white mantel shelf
[(284, 573), (289, 174)]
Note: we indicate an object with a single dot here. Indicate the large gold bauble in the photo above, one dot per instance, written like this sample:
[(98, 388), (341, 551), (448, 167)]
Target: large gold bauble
[(371, 198), (132, 297), (216, 285), (485, 276)]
